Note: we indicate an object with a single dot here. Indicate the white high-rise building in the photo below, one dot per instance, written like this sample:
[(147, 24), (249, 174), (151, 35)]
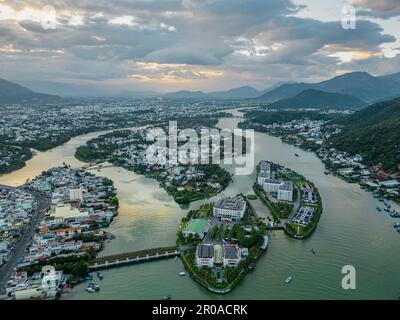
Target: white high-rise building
[(272, 185), (265, 173), (76, 194), (285, 191)]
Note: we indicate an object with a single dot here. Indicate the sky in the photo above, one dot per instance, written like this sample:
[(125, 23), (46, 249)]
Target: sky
[(117, 46)]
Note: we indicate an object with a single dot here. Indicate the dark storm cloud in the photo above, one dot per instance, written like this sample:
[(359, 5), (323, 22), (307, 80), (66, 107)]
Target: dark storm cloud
[(254, 39), (378, 8)]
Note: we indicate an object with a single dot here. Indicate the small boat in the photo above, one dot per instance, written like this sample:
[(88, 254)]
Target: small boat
[(327, 172), (313, 251), (379, 209), (288, 280), (100, 275), (396, 225), (90, 289), (176, 258), (95, 287), (386, 209), (182, 274), (296, 155), (167, 297), (395, 214)]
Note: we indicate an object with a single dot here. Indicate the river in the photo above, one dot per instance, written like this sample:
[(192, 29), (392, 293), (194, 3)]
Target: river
[(350, 232)]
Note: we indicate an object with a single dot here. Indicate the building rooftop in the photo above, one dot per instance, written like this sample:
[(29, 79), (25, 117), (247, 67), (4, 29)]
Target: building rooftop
[(205, 251), (287, 186), (231, 252), (274, 181), (265, 166), (230, 204)]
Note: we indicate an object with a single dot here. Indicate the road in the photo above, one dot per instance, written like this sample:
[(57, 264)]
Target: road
[(7, 269)]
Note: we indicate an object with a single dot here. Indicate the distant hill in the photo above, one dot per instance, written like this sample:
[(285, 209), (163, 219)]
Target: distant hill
[(245, 92), (14, 93), (311, 98), (184, 94), (237, 93), (373, 132), (361, 85)]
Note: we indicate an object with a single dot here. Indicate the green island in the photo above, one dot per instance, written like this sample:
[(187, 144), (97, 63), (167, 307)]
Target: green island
[(222, 247), (292, 200), (184, 182)]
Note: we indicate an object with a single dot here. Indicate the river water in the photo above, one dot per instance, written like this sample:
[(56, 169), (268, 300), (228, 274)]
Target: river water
[(350, 232)]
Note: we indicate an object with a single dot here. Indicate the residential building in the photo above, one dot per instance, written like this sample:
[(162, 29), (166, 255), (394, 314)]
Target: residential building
[(229, 208), (205, 256), (285, 191), (265, 173), (272, 185), (231, 255)]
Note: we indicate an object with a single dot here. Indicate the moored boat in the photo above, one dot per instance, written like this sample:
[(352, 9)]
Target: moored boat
[(182, 274), (90, 290), (395, 214)]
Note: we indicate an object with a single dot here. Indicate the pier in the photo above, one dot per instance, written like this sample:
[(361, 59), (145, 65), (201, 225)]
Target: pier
[(134, 257)]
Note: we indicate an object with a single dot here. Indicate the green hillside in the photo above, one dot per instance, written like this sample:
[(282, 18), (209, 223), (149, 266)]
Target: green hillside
[(373, 132)]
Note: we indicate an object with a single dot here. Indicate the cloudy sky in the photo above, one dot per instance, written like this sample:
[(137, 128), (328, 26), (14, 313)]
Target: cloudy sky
[(165, 45)]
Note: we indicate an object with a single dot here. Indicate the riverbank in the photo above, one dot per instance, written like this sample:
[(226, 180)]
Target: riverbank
[(71, 233), (313, 135), (350, 232)]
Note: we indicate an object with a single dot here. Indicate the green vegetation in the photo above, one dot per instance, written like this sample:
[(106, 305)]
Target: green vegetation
[(13, 158), (77, 265), (373, 132)]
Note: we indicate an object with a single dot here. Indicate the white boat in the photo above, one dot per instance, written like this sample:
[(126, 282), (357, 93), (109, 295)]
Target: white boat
[(90, 289), (288, 280), (182, 274), (176, 258)]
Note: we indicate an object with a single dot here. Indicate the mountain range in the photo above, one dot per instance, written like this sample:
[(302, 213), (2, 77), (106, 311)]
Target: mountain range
[(319, 100), (351, 90), (361, 85), (13, 93)]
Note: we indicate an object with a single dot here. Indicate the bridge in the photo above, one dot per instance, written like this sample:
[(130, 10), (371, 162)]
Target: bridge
[(134, 257)]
